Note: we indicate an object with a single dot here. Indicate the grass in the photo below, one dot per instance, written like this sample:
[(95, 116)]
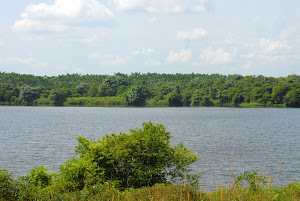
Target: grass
[(253, 104), (96, 101), (158, 192)]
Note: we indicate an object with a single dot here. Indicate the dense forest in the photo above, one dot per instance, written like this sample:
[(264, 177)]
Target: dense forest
[(150, 89)]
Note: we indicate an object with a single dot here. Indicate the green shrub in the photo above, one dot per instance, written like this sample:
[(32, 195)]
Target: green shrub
[(38, 177), (253, 179), (142, 158), (8, 188)]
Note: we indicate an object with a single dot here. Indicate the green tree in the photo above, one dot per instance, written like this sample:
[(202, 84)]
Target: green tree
[(102, 90), (196, 98), (38, 177), (28, 94), (58, 96), (83, 88), (174, 99), (292, 98), (137, 95), (278, 93), (205, 101), (142, 158), (110, 85), (8, 187), (93, 90)]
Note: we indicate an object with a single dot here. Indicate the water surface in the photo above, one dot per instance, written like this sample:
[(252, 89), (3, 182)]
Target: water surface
[(261, 137)]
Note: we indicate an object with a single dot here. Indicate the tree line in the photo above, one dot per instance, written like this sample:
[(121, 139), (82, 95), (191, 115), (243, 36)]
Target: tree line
[(150, 89)]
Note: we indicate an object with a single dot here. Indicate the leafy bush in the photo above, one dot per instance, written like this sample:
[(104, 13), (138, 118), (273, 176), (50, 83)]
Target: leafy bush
[(8, 188), (253, 180), (142, 158), (38, 177)]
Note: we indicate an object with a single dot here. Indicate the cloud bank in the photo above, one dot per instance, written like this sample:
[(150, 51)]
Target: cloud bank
[(192, 35), (182, 56), (159, 6), (61, 16), (218, 56)]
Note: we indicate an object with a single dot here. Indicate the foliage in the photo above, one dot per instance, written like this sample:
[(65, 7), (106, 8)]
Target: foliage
[(153, 89), (8, 188), (167, 192), (58, 96), (93, 90), (83, 88), (292, 97), (38, 177), (253, 180), (28, 94), (91, 101), (142, 158), (137, 95)]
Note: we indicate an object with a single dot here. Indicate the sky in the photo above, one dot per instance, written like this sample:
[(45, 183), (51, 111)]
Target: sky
[(54, 37)]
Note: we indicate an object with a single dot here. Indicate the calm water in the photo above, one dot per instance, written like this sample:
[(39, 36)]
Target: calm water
[(262, 137)]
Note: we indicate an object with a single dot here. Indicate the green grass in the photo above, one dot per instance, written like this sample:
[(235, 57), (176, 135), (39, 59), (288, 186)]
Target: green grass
[(11, 189), (97, 101), (253, 104)]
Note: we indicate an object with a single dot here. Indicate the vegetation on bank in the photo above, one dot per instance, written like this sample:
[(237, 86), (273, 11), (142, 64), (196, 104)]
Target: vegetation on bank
[(150, 89), (139, 165)]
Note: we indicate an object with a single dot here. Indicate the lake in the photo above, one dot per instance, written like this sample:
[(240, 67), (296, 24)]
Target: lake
[(261, 137)]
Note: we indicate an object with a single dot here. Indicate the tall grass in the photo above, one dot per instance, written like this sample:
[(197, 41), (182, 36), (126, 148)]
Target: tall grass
[(258, 188), (158, 192)]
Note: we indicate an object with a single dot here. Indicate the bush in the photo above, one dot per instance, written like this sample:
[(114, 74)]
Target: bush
[(38, 177), (8, 188), (142, 158), (253, 179)]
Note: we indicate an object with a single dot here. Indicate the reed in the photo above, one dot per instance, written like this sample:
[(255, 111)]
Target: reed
[(235, 160), (51, 193), (269, 182)]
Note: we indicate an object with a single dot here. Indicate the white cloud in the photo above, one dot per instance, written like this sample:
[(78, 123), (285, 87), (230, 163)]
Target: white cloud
[(135, 52), (246, 66), (218, 56), (112, 60), (267, 50), (228, 41), (62, 15), (268, 45), (94, 55), (159, 6), (272, 58), (248, 56), (148, 51), (183, 56), (129, 4), (38, 26), (193, 35), (90, 39), (153, 19), (144, 51), (153, 63), (107, 59), (29, 61)]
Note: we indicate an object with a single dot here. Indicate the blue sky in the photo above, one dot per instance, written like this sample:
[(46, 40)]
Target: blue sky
[(52, 37)]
